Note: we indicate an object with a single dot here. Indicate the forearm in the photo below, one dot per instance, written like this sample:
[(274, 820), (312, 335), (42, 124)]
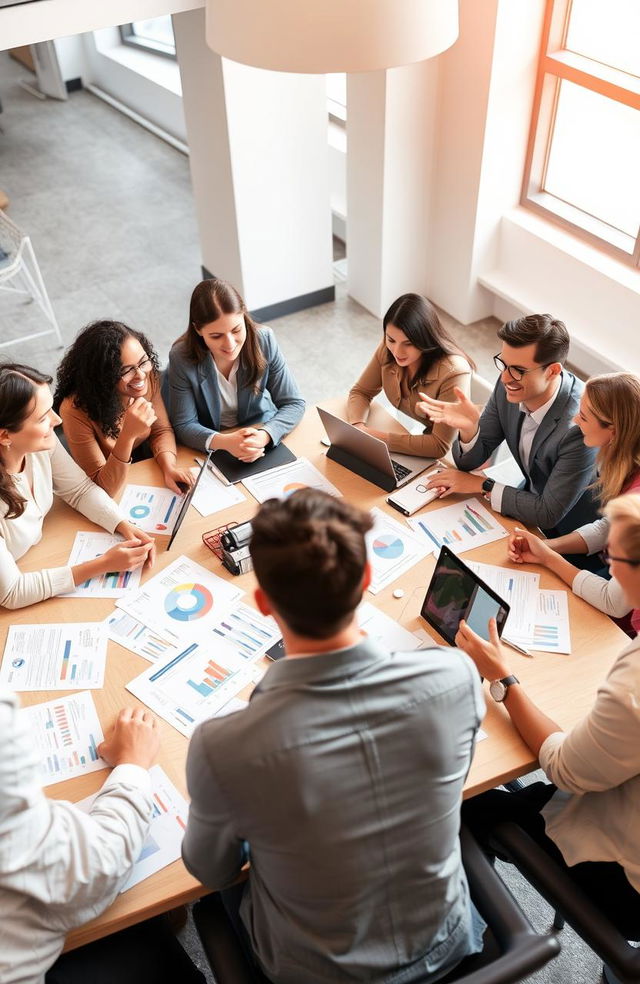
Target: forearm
[(435, 444), (558, 565), (358, 406), (570, 543), (533, 726), (90, 568)]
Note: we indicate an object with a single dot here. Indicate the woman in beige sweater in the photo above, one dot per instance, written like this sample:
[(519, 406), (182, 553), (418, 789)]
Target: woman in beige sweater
[(108, 396), (416, 354)]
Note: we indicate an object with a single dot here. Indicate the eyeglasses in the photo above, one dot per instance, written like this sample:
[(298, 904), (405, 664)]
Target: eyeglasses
[(516, 372), (145, 365), (620, 560)]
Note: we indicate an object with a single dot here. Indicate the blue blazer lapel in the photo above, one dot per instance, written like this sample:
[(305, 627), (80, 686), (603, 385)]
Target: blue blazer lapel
[(209, 393)]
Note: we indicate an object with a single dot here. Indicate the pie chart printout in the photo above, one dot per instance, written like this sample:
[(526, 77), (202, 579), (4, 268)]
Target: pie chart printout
[(388, 546), (188, 602)]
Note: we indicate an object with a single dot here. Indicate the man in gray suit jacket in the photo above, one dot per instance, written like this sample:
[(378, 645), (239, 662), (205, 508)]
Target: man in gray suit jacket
[(532, 408), (342, 780)]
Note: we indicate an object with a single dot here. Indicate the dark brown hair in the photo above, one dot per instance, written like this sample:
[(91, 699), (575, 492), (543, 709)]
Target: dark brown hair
[(309, 556), (211, 299), (414, 315), (550, 336), (17, 397)]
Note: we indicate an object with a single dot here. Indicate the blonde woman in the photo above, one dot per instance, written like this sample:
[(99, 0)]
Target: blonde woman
[(609, 418)]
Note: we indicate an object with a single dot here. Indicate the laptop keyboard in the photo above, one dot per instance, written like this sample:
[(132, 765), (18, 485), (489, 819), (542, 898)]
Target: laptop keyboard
[(400, 470)]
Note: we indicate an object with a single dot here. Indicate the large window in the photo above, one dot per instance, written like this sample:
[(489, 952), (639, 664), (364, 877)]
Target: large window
[(583, 160), (154, 34)]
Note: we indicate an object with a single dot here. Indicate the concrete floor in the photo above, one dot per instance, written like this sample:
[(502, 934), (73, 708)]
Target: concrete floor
[(110, 213)]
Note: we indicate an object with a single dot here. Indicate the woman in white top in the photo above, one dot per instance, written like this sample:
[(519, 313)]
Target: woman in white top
[(588, 820), (34, 465)]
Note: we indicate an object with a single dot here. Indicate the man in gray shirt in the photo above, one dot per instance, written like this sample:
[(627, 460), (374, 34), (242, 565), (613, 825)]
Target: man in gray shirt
[(342, 780)]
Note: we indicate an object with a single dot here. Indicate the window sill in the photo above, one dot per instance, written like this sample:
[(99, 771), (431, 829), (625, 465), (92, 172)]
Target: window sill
[(159, 70)]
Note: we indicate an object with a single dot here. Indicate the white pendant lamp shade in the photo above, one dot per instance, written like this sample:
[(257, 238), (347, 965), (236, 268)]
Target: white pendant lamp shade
[(318, 36)]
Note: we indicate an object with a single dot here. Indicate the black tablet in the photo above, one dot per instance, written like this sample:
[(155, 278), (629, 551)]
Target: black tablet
[(456, 593), (186, 502)]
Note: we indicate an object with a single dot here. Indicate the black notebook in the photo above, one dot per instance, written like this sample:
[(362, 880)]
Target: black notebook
[(235, 471)]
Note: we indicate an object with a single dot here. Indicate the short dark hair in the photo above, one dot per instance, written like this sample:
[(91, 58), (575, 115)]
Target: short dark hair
[(309, 556), (549, 334)]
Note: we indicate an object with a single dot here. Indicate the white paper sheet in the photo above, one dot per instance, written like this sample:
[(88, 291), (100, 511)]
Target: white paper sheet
[(392, 550), (212, 496), (192, 686), (462, 526), (552, 633), (66, 733), (245, 631), (67, 656), (520, 590), (278, 483), (168, 824), (384, 630), (139, 638), (88, 546), (185, 599), (151, 509)]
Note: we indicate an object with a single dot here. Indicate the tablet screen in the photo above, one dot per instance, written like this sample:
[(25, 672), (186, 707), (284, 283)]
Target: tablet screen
[(456, 593)]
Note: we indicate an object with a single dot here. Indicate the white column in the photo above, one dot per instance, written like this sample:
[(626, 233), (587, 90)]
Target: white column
[(259, 167)]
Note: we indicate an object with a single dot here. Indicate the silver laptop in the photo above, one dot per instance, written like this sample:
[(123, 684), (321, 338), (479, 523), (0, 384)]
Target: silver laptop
[(368, 457)]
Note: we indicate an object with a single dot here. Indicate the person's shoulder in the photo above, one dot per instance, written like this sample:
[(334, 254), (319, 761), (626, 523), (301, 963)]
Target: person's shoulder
[(267, 339), (456, 363), (70, 410)]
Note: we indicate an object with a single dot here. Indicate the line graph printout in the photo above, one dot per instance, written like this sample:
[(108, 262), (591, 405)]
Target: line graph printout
[(185, 600), (88, 546), (192, 686), (66, 733), (151, 509), (168, 824), (518, 588), (392, 550), (552, 632), (462, 526), (68, 656), (278, 483)]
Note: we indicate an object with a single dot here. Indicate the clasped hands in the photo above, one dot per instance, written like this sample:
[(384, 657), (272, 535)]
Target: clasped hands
[(247, 444)]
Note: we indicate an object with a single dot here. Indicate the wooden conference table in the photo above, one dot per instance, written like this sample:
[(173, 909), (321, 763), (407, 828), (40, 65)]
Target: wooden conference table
[(564, 686)]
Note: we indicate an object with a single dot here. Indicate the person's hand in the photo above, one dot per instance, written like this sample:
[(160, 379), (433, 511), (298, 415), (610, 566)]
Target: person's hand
[(525, 548), (126, 556), (246, 444), (462, 414), (134, 739), (174, 476), (137, 419), (380, 435), (489, 657), (131, 532), (449, 481)]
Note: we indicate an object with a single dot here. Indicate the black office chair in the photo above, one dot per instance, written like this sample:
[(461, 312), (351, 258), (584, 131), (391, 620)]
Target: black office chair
[(571, 904), (513, 950)]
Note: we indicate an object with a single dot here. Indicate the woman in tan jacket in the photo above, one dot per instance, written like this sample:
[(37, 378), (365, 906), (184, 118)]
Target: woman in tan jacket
[(108, 396), (416, 354)]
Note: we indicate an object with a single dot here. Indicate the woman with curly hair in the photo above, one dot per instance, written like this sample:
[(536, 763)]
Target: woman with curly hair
[(227, 371), (108, 396), (34, 466)]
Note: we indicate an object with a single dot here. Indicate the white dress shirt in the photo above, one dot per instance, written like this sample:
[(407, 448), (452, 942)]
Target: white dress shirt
[(44, 473), (59, 866), (228, 390)]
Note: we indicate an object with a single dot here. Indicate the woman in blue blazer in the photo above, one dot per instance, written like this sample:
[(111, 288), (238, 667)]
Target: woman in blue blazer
[(227, 371)]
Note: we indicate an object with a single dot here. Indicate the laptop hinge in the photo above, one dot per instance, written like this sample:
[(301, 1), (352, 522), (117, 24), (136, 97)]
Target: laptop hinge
[(360, 467)]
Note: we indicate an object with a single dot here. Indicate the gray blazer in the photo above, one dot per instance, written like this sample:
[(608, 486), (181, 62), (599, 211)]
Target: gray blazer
[(191, 394), (556, 496), (344, 776)]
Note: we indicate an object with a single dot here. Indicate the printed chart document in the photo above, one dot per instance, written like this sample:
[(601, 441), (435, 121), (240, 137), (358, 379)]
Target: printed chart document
[(212, 496), (384, 630), (151, 509), (278, 483), (168, 824), (392, 550), (463, 526), (551, 632), (139, 638), (248, 633), (184, 599), (192, 686), (70, 656), (66, 733), (88, 546), (520, 590)]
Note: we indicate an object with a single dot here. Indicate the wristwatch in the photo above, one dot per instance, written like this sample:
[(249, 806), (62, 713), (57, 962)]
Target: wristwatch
[(488, 484), (498, 688)]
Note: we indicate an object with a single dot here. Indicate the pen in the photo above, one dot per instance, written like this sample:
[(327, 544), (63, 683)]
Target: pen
[(518, 649)]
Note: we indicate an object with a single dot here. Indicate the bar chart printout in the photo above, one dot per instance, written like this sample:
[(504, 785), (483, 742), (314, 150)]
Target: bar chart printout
[(152, 509), (462, 526), (168, 824), (248, 632), (194, 685), (66, 733), (114, 584), (552, 632), (69, 656), (139, 638)]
